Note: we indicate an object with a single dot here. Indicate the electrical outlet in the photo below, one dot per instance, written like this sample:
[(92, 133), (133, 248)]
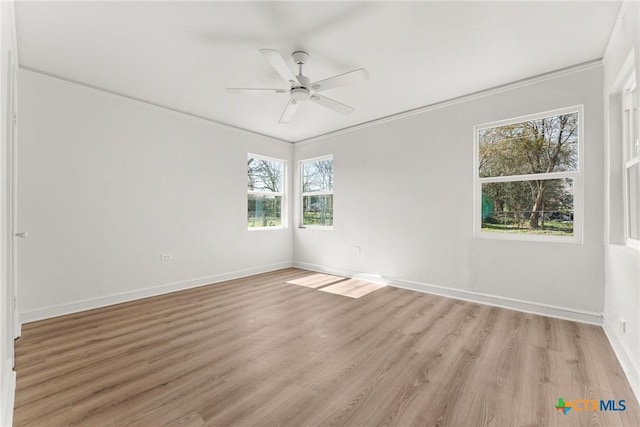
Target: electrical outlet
[(623, 325), (166, 257), (355, 249)]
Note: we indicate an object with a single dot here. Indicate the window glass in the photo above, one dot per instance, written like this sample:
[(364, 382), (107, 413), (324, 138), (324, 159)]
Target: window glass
[(527, 173), (265, 186), (506, 207), (317, 192), (543, 145)]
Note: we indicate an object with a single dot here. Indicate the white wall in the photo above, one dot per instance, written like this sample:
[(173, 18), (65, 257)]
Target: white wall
[(404, 195), (7, 376), (622, 263), (106, 185)]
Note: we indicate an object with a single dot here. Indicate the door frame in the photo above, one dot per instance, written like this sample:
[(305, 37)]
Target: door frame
[(12, 148)]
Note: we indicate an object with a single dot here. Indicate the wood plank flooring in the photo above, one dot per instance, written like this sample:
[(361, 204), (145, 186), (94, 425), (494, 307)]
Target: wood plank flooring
[(316, 280), (260, 352), (352, 288)]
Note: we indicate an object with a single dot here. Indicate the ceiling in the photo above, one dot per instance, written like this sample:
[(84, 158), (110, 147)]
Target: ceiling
[(183, 55)]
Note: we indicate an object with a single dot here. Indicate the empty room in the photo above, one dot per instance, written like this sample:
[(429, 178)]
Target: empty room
[(310, 213)]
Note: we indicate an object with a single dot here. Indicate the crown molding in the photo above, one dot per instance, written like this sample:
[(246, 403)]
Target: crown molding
[(137, 101), (419, 110), (463, 98)]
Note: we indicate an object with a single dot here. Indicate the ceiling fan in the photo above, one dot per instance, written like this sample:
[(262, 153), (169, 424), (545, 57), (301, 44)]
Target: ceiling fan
[(301, 87)]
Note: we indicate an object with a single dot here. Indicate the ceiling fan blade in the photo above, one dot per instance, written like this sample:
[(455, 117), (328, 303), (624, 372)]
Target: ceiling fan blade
[(289, 111), (354, 76), (276, 60), (331, 104), (254, 90)]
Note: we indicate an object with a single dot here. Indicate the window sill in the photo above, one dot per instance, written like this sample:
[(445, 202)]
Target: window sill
[(265, 228), (633, 244), (528, 237), (623, 249), (315, 227)]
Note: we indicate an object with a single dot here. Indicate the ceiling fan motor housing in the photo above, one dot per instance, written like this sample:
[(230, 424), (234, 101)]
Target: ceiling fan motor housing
[(304, 81), (300, 57)]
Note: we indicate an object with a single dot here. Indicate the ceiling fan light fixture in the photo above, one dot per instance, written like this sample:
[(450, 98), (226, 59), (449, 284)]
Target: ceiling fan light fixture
[(301, 87), (300, 93)]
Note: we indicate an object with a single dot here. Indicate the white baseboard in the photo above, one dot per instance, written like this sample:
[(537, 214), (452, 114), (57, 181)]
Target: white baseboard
[(477, 297), (89, 304), (340, 272), (8, 397), (630, 369)]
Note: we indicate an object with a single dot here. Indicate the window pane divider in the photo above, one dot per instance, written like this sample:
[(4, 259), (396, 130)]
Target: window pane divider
[(574, 173), (530, 177), (281, 165), (266, 193), (318, 193), (631, 163)]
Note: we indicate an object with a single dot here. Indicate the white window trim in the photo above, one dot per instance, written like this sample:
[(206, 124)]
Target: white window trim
[(283, 203), (313, 193), (627, 161), (577, 176)]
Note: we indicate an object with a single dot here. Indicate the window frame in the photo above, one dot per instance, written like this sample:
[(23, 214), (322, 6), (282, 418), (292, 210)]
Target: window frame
[(576, 175), (282, 194), (630, 132), (315, 193)]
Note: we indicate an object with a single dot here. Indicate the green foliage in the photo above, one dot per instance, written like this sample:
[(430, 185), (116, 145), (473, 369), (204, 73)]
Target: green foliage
[(317, 210), (538, 146), (264, 211), (265, 177), (317, 177), (317, 218), (551, 228), (265, 221)]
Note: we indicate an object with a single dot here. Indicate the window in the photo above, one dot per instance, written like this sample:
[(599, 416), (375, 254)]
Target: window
[(265, 192), (317, 192), (528, 177), (631, 170)]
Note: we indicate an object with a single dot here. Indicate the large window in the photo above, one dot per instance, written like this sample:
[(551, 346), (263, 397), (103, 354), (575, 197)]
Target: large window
[(317, 192), (265, 192), (631, 139), (528, 177)]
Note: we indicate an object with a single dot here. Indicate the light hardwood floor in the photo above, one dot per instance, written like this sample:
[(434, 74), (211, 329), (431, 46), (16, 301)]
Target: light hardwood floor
[(259, 351)]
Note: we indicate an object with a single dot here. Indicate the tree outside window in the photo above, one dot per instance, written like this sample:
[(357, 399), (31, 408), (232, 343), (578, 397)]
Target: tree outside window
[(317, 192), (265, 192), (526, 175)]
